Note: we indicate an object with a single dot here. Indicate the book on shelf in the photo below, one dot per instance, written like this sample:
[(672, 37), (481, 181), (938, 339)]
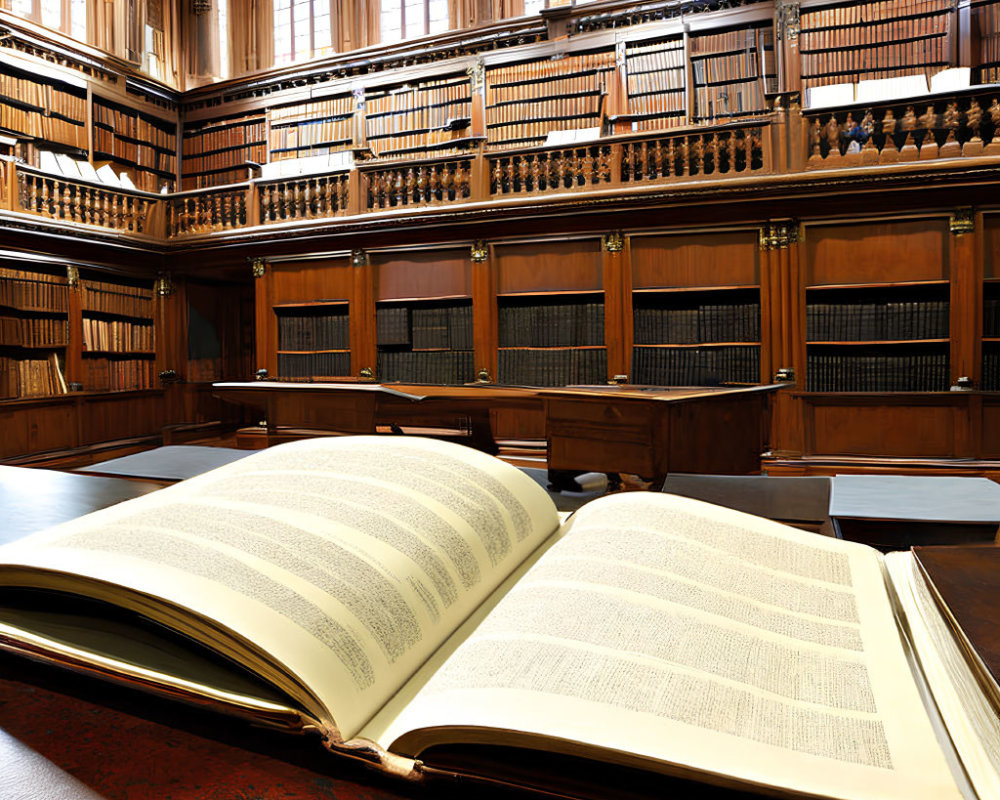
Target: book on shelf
[(418, 605)]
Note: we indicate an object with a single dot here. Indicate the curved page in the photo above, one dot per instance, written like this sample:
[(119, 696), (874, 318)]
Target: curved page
[(333, 567), (689, 638)]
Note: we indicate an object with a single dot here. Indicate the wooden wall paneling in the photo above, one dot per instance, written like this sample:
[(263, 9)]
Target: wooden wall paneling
[(121, 416), (690, 260), (484, 308), (989, 426), (550, 266), (266, 327), (617, 325), (364, 350), (170, 329), (966, 301), (14, 424), (891, 251), (422, 274), (54, 426)]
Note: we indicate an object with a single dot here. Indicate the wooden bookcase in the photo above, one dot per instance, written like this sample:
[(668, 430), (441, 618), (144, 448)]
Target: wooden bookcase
[(42, 108), (874, 39), (117, 334), (319, 127), (876, 322), (34, 332), (731, 72), (525, 101), (424, 326), (215, 152), (144, 144), (986, 47), (656, 84), (696, 309), (314, 339), (429, 114)]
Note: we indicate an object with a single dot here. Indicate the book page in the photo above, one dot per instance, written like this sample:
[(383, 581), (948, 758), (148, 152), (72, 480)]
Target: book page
[(334, 566), (970, 717), (688, 636)]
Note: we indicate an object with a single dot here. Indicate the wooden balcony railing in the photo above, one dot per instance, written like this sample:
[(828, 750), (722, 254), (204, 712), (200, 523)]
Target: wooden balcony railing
[(83, 202), (949, 127), (890, 133)]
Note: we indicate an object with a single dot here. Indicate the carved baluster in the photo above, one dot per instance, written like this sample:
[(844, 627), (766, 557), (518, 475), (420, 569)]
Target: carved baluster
[(523, 172), (756, 148), (343, 194), (656, 160), (535, 173), (106, 210), (715, 151), (66, 205), (45, 197), (496, 178), (214, 212), (226, 211), (423, 184), (586, 165), (684, 156), (509, 174), (643, 161), (144, 207), (321, 195), (240, 210), (462, 189), (731, 151), (272, 203), (448, 183)]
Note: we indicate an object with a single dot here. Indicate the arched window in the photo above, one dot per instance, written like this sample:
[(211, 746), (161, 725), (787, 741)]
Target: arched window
[(408, 19), (302, 30)]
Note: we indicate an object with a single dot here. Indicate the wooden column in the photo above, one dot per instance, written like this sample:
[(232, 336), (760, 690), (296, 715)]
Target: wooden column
[(266, 328), (364, 350), (966, 299), (617, 282), (484, 308), (74, 318)]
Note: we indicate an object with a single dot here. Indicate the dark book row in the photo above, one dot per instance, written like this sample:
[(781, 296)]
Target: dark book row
[(552, 367), (991, 369), (104, 374), (312, 331), (439, 327), (551, 325), (427, 366), (991, 316), (30, 294), (309, 365), (851, 322), (910, 372), (732, 322), (695, 366)]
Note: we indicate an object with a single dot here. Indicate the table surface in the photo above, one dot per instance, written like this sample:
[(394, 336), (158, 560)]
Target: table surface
[(915, 498)]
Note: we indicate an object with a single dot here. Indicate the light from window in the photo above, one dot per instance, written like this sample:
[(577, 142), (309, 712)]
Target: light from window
[(223, 7), (78, 20), (408, 19), (302, 29)]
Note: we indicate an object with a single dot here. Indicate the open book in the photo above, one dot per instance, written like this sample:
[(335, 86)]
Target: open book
[(418, 605)]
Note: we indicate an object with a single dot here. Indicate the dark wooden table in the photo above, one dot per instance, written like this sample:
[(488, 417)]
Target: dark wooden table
[(613, 429)]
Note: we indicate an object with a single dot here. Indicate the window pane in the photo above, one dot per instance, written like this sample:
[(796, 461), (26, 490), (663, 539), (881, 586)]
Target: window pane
[(51, 13), (391, 20), (78, 20), (533, 6), (439, 15), (223, 6), (414, 19), (22, 7)]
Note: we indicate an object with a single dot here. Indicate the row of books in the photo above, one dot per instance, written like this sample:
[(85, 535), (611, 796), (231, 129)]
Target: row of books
[(730, 322), (551, 324), (31, 377), (41, 126), (809, 82), (916, 55), (729, 99), (740, 66), (308, 134), (670, 80), (426, 366), (314, 365), (107, 142), (425, 328), (116, 336), (875, 35), (991, 369), (667, 103), (655, 58), (886, 321), (113, 298), (34, 331), (31, 291), (549, 90), (426, 118), (877, 372), (849, 16), (115, 374), (234, 134), (657, 123), (216, 178), (552, 367), (309, 112), (554, 108), (555, 69), (728, 42), (224, 159), (695, 366), (988, 17), (519, 132), (315, 331), (129, 123), (433, 100), (991, 316), (43, 96)]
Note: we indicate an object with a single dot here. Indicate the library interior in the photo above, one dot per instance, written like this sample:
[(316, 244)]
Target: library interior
[(746, 251)]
